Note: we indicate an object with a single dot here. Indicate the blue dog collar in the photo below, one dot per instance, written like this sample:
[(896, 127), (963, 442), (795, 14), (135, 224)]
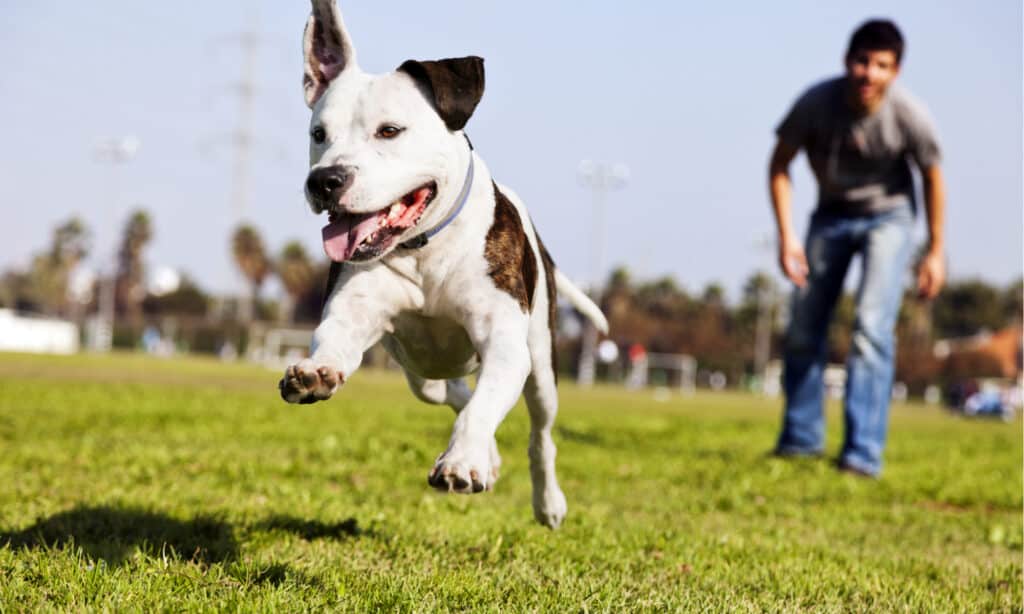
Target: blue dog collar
[(420, 240)]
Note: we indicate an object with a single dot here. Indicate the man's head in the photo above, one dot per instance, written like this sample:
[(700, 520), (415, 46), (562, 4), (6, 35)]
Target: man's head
[(872, 62)]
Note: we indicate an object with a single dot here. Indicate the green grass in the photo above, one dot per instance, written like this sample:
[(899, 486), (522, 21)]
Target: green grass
[(129, 483)]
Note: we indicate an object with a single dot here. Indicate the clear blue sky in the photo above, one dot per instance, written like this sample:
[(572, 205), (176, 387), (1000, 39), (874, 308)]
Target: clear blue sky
[(686, 94)]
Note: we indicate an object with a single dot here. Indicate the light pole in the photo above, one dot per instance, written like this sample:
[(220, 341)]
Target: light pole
[(766, 301), (114, 151), (763, 334), (600, 178)]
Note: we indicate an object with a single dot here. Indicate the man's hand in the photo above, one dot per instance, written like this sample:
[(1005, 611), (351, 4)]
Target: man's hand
[(793, 261), (931, 275), (931, 271)]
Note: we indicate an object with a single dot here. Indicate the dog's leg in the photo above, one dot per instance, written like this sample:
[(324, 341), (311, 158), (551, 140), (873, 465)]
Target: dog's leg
[(456, 394), (466, 465), (452, 392), (338, 352), (356, 316), (549, 506)]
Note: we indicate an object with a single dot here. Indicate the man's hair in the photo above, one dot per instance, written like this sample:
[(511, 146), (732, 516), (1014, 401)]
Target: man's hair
[(877, 35)]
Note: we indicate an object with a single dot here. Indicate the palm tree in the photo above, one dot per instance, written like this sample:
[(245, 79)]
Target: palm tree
[(51, 269), (130, 274), (70, 242), (296, 273), (251, 258)]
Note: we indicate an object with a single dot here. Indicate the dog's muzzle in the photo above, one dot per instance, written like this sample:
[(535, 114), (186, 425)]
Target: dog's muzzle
[(326, 185)]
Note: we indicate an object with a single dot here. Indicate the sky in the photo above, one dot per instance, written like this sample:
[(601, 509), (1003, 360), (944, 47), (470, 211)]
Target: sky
[(686, 95)]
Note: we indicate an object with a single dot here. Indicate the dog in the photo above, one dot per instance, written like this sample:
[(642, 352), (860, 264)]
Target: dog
[(430, 256)]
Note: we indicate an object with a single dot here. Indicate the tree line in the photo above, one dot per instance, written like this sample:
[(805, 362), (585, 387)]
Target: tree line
[(54, 284), (663, 317), (659, 314)]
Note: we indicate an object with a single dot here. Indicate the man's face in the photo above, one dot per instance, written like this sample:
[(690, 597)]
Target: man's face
[(869, 74)]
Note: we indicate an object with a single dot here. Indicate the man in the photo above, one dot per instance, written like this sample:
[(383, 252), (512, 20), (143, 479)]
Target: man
[(860, 133)]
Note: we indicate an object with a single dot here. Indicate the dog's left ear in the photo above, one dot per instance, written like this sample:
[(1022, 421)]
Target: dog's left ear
[(456, 84), (326, 48)]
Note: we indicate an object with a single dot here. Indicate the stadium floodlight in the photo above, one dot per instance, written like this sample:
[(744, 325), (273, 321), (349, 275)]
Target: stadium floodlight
[(117, 149), (600, 178), (114, 151)]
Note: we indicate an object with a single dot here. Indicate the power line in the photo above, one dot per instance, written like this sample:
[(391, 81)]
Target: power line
[(242, 140)]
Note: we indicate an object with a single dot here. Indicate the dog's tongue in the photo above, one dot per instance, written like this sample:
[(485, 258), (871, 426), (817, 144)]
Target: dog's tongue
[(341, 238)]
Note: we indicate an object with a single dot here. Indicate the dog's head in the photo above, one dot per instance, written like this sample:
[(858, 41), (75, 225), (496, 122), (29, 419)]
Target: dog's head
[(383, 148)]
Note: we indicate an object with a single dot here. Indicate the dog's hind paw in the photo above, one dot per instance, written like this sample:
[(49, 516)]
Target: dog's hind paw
[(307, 383), (549, 507)]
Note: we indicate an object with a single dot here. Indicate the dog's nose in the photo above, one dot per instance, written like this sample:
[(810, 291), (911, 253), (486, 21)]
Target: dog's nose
[(328, 183)]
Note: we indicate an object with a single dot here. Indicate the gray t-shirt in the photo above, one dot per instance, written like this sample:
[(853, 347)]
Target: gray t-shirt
[(861, 163)]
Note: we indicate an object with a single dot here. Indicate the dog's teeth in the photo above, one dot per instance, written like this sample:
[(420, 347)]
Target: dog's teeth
[(395, 211)]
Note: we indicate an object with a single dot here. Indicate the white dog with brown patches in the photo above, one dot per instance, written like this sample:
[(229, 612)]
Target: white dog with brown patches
[(430, 256)]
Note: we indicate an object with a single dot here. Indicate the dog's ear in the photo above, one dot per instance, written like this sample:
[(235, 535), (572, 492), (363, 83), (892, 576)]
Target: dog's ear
[(456, 84), (327, 49)]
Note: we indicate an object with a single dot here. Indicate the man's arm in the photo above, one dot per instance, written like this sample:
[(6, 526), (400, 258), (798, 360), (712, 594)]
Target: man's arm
[(792, 259), (931, 272)]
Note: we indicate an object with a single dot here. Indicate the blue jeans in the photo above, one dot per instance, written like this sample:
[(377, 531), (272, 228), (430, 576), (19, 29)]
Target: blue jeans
[(884, 241)]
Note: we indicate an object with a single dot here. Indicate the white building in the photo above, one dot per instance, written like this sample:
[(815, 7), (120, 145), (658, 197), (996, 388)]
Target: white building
[(39, 335)]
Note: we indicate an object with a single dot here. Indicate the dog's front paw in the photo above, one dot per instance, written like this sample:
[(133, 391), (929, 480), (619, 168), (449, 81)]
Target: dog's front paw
[(308, 383), (465, 469)]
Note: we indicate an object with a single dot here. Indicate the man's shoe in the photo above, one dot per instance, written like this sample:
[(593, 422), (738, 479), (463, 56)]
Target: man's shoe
[(855, 471)]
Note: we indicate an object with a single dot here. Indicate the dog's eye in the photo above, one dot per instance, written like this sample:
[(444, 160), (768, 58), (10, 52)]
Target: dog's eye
[(387, 131), (319, 135)]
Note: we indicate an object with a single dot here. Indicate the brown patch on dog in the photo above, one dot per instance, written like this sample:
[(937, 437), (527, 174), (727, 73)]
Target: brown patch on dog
[(549, 276), (513, 266)]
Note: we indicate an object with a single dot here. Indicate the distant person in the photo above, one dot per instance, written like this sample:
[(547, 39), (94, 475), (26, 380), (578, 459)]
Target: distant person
[(860, 132)]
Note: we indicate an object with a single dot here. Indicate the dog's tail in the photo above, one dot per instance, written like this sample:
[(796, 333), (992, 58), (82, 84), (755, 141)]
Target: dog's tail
[(580, 301)]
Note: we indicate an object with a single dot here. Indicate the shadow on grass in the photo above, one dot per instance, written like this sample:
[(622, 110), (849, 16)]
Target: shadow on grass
[(273, 574), (314, 529), (582, 437), (112, 534)]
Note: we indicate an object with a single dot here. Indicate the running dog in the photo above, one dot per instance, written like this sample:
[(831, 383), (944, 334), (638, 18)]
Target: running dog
[(430, 256)]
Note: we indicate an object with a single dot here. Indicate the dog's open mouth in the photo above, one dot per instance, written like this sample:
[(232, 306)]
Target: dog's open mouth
[(362, 236)]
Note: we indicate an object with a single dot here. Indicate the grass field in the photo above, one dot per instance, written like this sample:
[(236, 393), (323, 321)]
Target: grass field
[(131, 483)]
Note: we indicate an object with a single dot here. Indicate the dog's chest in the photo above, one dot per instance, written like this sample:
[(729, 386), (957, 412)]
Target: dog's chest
[(432, 347)]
